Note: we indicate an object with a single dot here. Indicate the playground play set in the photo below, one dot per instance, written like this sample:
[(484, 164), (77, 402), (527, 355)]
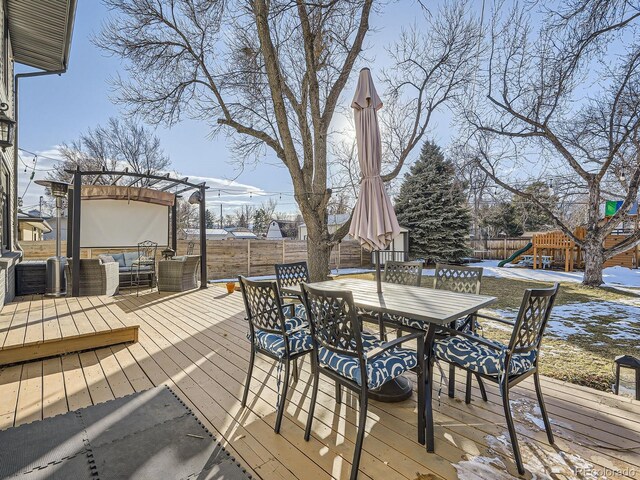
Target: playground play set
[(562, 250)]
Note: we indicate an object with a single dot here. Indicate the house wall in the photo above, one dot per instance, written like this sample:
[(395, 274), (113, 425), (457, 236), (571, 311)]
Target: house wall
[(10, 252)]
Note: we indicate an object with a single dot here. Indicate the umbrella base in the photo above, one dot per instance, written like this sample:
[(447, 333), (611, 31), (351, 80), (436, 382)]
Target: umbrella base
[(397, 390)]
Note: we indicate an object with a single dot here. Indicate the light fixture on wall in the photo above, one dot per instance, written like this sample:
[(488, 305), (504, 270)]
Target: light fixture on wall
[(195, 198), (7, 127)]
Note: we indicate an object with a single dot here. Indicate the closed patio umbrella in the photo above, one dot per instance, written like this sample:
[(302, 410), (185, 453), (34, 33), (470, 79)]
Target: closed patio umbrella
[(374, 221)]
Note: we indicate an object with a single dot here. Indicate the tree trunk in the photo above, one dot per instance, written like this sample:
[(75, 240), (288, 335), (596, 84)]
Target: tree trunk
[(593, 261), (318, 256)]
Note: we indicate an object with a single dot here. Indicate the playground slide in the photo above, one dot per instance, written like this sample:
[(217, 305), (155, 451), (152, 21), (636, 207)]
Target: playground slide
[(516, 255)]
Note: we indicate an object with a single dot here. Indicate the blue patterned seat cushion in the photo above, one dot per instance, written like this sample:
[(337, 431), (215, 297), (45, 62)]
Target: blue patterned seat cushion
[(479, 358), (299, 340), (380, 369)]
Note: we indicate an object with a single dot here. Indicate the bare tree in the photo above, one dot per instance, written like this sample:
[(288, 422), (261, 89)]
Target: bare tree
[(115, 146), (277, 81), (564, 101), (186, 217)]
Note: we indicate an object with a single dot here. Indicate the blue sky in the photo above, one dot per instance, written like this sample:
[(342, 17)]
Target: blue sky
[(56, 109)]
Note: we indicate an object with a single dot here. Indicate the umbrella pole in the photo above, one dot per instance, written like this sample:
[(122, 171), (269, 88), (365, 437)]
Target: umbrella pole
[(378, 276)]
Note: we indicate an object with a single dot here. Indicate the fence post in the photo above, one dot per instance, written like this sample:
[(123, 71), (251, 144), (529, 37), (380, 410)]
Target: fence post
[(283, 251), (248, 258)]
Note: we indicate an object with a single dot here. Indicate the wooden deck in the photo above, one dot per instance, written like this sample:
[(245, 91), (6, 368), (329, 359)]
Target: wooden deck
[(37, 327), (196, 344)]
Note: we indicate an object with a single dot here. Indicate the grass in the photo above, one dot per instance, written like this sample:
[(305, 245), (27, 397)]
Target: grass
[(584, 358)]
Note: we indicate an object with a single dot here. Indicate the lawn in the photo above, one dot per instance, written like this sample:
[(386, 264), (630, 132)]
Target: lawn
[(589, 327)]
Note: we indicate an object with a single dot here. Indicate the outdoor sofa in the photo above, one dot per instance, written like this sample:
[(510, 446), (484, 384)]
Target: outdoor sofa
[(126, 263), (96, 277)]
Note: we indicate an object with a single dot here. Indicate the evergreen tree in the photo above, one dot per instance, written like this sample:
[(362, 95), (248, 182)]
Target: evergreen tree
[(501, 219), (432, 205), (209, 219)]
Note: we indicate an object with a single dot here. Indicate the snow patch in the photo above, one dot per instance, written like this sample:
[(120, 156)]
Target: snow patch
[(616, 276), (582, 318)]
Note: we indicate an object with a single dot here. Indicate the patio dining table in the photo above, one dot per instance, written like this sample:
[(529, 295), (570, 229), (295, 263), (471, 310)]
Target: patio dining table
[(437, 307)]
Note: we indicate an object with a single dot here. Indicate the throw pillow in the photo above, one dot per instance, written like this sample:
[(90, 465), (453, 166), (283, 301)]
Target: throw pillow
[(106, 258)]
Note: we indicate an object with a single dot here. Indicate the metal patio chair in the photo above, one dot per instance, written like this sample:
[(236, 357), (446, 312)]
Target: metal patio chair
[(399, 273), (290, 275), (355, 359), (507, 365), (145, 265), (460, 279), (273, 335)]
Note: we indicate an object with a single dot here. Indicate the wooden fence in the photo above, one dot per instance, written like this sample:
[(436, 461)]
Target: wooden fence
[(232, 257), (498, 248)]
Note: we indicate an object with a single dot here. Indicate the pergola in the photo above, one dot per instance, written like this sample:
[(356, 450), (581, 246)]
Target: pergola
[(160, 183)]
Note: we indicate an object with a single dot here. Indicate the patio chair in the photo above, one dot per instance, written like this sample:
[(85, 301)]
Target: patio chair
[(178, 274), (291, 274), (455, 279), (460, 279), (399, 273), (145, 265), (273, 335), (96, 277), (507, 365), (355, 359)]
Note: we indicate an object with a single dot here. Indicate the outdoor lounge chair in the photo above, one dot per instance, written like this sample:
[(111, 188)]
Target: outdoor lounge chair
[(506, 365), (273, 335), (178, 274), (96, 277), (355, 359)]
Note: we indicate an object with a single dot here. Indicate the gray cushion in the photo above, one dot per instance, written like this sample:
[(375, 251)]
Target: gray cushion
[(130, 257), (142, 268), (119, 257), (106, 258)]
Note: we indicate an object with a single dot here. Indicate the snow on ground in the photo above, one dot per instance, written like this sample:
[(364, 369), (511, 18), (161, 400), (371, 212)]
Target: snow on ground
[(612, 276), (617, 320)]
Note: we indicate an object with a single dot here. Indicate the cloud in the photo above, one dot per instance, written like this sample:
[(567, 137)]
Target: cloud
[(229, 193)]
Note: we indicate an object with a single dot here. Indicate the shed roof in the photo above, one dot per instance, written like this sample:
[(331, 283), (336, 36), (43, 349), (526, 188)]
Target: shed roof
[(40, 32)]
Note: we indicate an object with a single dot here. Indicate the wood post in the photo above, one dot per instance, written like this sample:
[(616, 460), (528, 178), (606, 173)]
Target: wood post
[(283, 261), (203, 238), (248, 258), (174, 226), (77, 196)]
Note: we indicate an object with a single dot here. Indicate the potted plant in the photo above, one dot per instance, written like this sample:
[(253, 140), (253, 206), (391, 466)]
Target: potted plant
[(231, 286)]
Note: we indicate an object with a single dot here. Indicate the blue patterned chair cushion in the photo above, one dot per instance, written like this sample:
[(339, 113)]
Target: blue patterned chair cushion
[(299, 341), (380, 370), (480, 358)]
